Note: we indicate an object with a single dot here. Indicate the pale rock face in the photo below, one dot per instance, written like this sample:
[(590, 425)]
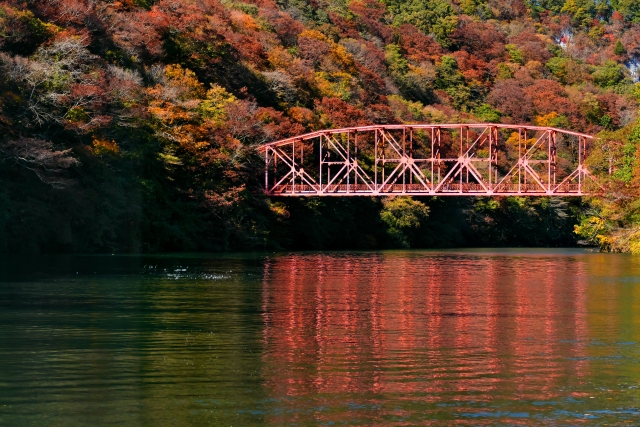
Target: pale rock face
[(633, 65)]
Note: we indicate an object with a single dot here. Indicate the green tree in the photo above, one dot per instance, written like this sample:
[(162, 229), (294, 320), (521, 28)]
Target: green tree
[(436, 17), (477, 8), (609, 75), (403, 217), (538, 6), (626, 167), (619, 48), (450, 79), (396, 63), (515, 54), (558, 67), (630, 9), (487, 114), (583, 11)]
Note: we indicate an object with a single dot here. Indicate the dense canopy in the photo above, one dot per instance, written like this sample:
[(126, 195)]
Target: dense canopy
[(131, 125)]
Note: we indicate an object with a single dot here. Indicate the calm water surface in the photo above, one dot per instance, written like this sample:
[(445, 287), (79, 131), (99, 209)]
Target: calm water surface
[(484, 337)]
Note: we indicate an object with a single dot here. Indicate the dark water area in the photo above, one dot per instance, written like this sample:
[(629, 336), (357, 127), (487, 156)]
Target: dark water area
[(400, 338)]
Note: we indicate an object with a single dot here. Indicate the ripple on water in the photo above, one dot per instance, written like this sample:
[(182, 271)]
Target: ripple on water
[(476, 337)]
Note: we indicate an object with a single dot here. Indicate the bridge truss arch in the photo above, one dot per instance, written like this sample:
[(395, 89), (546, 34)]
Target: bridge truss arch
[(482, 159)]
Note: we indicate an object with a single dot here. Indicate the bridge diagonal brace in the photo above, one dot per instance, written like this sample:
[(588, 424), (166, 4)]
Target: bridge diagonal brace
[(476, 174), (334, 178), (415, 170), (535, 176), (283, 179), (295, 171), (519, 165), (386, 181), (392, 142), (457, 168), (363, 176), (341, 151)]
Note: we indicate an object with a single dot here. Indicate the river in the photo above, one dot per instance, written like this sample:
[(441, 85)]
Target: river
[(397, 338)]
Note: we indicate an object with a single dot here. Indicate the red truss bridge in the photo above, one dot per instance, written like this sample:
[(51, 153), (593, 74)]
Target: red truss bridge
[(481, 159)]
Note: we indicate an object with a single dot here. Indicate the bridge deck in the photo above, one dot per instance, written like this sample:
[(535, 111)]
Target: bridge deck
[(419, 190)]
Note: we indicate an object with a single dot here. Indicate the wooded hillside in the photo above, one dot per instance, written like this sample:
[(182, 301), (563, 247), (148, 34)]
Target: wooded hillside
[(132, 125)]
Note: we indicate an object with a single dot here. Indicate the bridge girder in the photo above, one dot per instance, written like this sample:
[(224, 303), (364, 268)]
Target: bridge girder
[(430, 160)]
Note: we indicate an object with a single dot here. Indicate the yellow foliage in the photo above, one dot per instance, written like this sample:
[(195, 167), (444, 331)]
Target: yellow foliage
[(185, 79), (213, 106), (279, 209), (183, 110), (280, 58), (314, 34), (546, 120), (333, 85), (200, 145), (535, 69), (340, 55), (170, 159), (634, 243), (596, 33), (636, 91), (169, 112), (593, 228), (514, 140)]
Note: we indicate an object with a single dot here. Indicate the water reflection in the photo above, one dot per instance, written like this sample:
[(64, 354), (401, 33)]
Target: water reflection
[(410, 336), (518, 337)]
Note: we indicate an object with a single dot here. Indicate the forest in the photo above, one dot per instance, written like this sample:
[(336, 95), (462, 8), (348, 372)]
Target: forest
[(132, 125)]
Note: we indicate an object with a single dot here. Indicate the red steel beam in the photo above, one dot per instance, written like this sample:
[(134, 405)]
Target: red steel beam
[(340, 166)]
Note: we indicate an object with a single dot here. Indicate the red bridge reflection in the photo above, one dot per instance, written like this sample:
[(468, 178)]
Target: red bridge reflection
[(427, 328)]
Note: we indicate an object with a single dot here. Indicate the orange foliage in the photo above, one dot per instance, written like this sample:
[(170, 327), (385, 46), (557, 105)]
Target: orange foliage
[(104, 146)]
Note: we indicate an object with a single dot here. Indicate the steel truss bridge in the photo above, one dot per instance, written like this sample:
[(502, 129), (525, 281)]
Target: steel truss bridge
[(481, 159)]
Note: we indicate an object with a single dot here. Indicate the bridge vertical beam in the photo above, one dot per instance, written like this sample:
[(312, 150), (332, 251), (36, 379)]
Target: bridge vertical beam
[(548, 188), (411, 153), (582, 148), (435, 155), (383, 155), (433, 143), (375, 165), (328, 163), (551, 179), (301, 165), (495, 156), (355, 156), (266, 170), (491, 143), (348, 160), (320, 165), (523, 160), (461, 171), (466, 149), (404, 159), (519, 157)]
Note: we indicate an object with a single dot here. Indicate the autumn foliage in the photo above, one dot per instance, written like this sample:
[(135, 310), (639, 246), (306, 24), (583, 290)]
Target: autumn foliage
[(145, 114)]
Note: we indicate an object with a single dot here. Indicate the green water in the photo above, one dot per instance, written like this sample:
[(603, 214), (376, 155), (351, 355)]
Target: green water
[(482, 337)]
